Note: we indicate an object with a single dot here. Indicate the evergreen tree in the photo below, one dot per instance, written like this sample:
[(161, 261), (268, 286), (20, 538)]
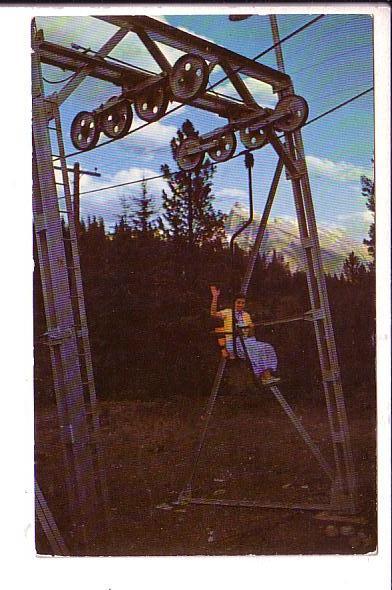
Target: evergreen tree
[(125, 217), (353, 269), (189, 216), (368, 192), (143, 211)]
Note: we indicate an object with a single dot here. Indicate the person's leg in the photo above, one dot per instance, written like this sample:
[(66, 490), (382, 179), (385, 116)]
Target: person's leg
[(268, 356), (229, 348), (263, 358)]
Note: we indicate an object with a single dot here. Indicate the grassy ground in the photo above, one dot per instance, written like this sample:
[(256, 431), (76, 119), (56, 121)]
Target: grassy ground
[(252, 452)]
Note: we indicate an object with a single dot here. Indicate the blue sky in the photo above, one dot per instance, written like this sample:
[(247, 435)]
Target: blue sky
[(329, 62)]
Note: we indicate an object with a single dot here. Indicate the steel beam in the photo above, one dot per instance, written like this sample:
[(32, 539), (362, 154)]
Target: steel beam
[(344, 489), (258, 504), (127, 76), (81, 75), (48, 524), (188, 43), (60, 319)]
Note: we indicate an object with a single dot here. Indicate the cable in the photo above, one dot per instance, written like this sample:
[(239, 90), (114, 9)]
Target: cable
[(105, 188), (180, 106), (289, 36), (339, 106), (115, 59), (241, 153), (59, 81)]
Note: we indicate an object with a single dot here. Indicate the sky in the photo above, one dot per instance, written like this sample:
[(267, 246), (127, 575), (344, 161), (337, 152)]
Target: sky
[(329, 62)]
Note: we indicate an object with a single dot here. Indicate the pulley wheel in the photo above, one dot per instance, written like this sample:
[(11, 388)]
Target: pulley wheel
[(253, 139), (151, 106), (298, 111), (117, 121), (191, 161), (188, 78), (85, 131), (225, 148)]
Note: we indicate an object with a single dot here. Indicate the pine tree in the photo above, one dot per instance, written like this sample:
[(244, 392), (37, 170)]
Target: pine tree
[(141, 221), (369, 193), (189, 216), (353, 269)]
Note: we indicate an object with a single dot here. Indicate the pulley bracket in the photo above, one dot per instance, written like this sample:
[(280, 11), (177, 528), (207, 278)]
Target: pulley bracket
[(256, 131)]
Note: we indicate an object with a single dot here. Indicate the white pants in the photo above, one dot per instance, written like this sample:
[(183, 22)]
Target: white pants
[(261, 355)]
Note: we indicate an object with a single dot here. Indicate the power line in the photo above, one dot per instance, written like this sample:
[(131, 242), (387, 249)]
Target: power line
[(324, 114), (289, 36), (180, 106)]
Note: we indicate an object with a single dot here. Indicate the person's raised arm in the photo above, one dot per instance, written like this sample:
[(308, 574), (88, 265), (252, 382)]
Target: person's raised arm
[(215, 292)]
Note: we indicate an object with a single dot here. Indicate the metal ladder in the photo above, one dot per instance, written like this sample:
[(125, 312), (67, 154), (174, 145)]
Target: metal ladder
[(67, 333), (79, 310)]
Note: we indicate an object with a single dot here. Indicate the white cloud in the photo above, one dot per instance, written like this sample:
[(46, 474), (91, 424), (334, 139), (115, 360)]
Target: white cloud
[(261, 91), (151, 138), (342, 171), (86, 31), (235, 193), (364, 216)]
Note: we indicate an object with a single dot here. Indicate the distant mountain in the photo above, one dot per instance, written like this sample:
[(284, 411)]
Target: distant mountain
[(282, 235)]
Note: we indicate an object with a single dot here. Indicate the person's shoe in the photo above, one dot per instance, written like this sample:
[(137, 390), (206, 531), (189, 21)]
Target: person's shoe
[(268, 379)]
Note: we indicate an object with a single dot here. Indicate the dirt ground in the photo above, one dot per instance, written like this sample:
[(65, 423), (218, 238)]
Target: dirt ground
[(252, 452)]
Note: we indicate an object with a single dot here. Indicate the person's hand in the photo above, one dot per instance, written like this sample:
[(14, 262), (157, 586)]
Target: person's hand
[(215, 291)]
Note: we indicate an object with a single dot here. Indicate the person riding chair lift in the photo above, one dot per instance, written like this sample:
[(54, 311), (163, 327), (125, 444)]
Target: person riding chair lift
[(261, 355)]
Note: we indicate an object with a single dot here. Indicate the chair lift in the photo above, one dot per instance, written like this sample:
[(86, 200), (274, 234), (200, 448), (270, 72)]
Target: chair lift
[(185, 497)]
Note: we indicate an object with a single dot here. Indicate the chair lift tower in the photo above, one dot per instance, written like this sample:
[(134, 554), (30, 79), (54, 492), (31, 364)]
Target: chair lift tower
[(149, 94)]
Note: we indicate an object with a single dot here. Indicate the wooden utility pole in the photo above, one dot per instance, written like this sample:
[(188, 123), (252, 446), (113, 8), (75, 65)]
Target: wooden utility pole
[(76, 196), (77, 172)]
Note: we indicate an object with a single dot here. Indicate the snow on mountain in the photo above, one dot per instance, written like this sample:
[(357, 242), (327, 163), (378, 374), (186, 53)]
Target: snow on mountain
[(282, 235)]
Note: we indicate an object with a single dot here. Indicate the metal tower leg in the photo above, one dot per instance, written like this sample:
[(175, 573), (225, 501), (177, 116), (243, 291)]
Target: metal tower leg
[(344, 490), (343, 493), (77, 298), (62, 337), (48, 524)]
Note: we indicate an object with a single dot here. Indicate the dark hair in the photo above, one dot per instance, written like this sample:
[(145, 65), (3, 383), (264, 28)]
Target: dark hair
[(239, 296)]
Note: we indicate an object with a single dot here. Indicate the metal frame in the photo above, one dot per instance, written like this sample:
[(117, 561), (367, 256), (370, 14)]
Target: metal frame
[(160, 32), (48, 524), (345, 486), (132, 80), (67, 332), (66, 322), (343, 494)]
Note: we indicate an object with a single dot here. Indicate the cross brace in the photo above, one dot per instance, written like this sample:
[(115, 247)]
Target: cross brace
[(151, 31), (188, 43)]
